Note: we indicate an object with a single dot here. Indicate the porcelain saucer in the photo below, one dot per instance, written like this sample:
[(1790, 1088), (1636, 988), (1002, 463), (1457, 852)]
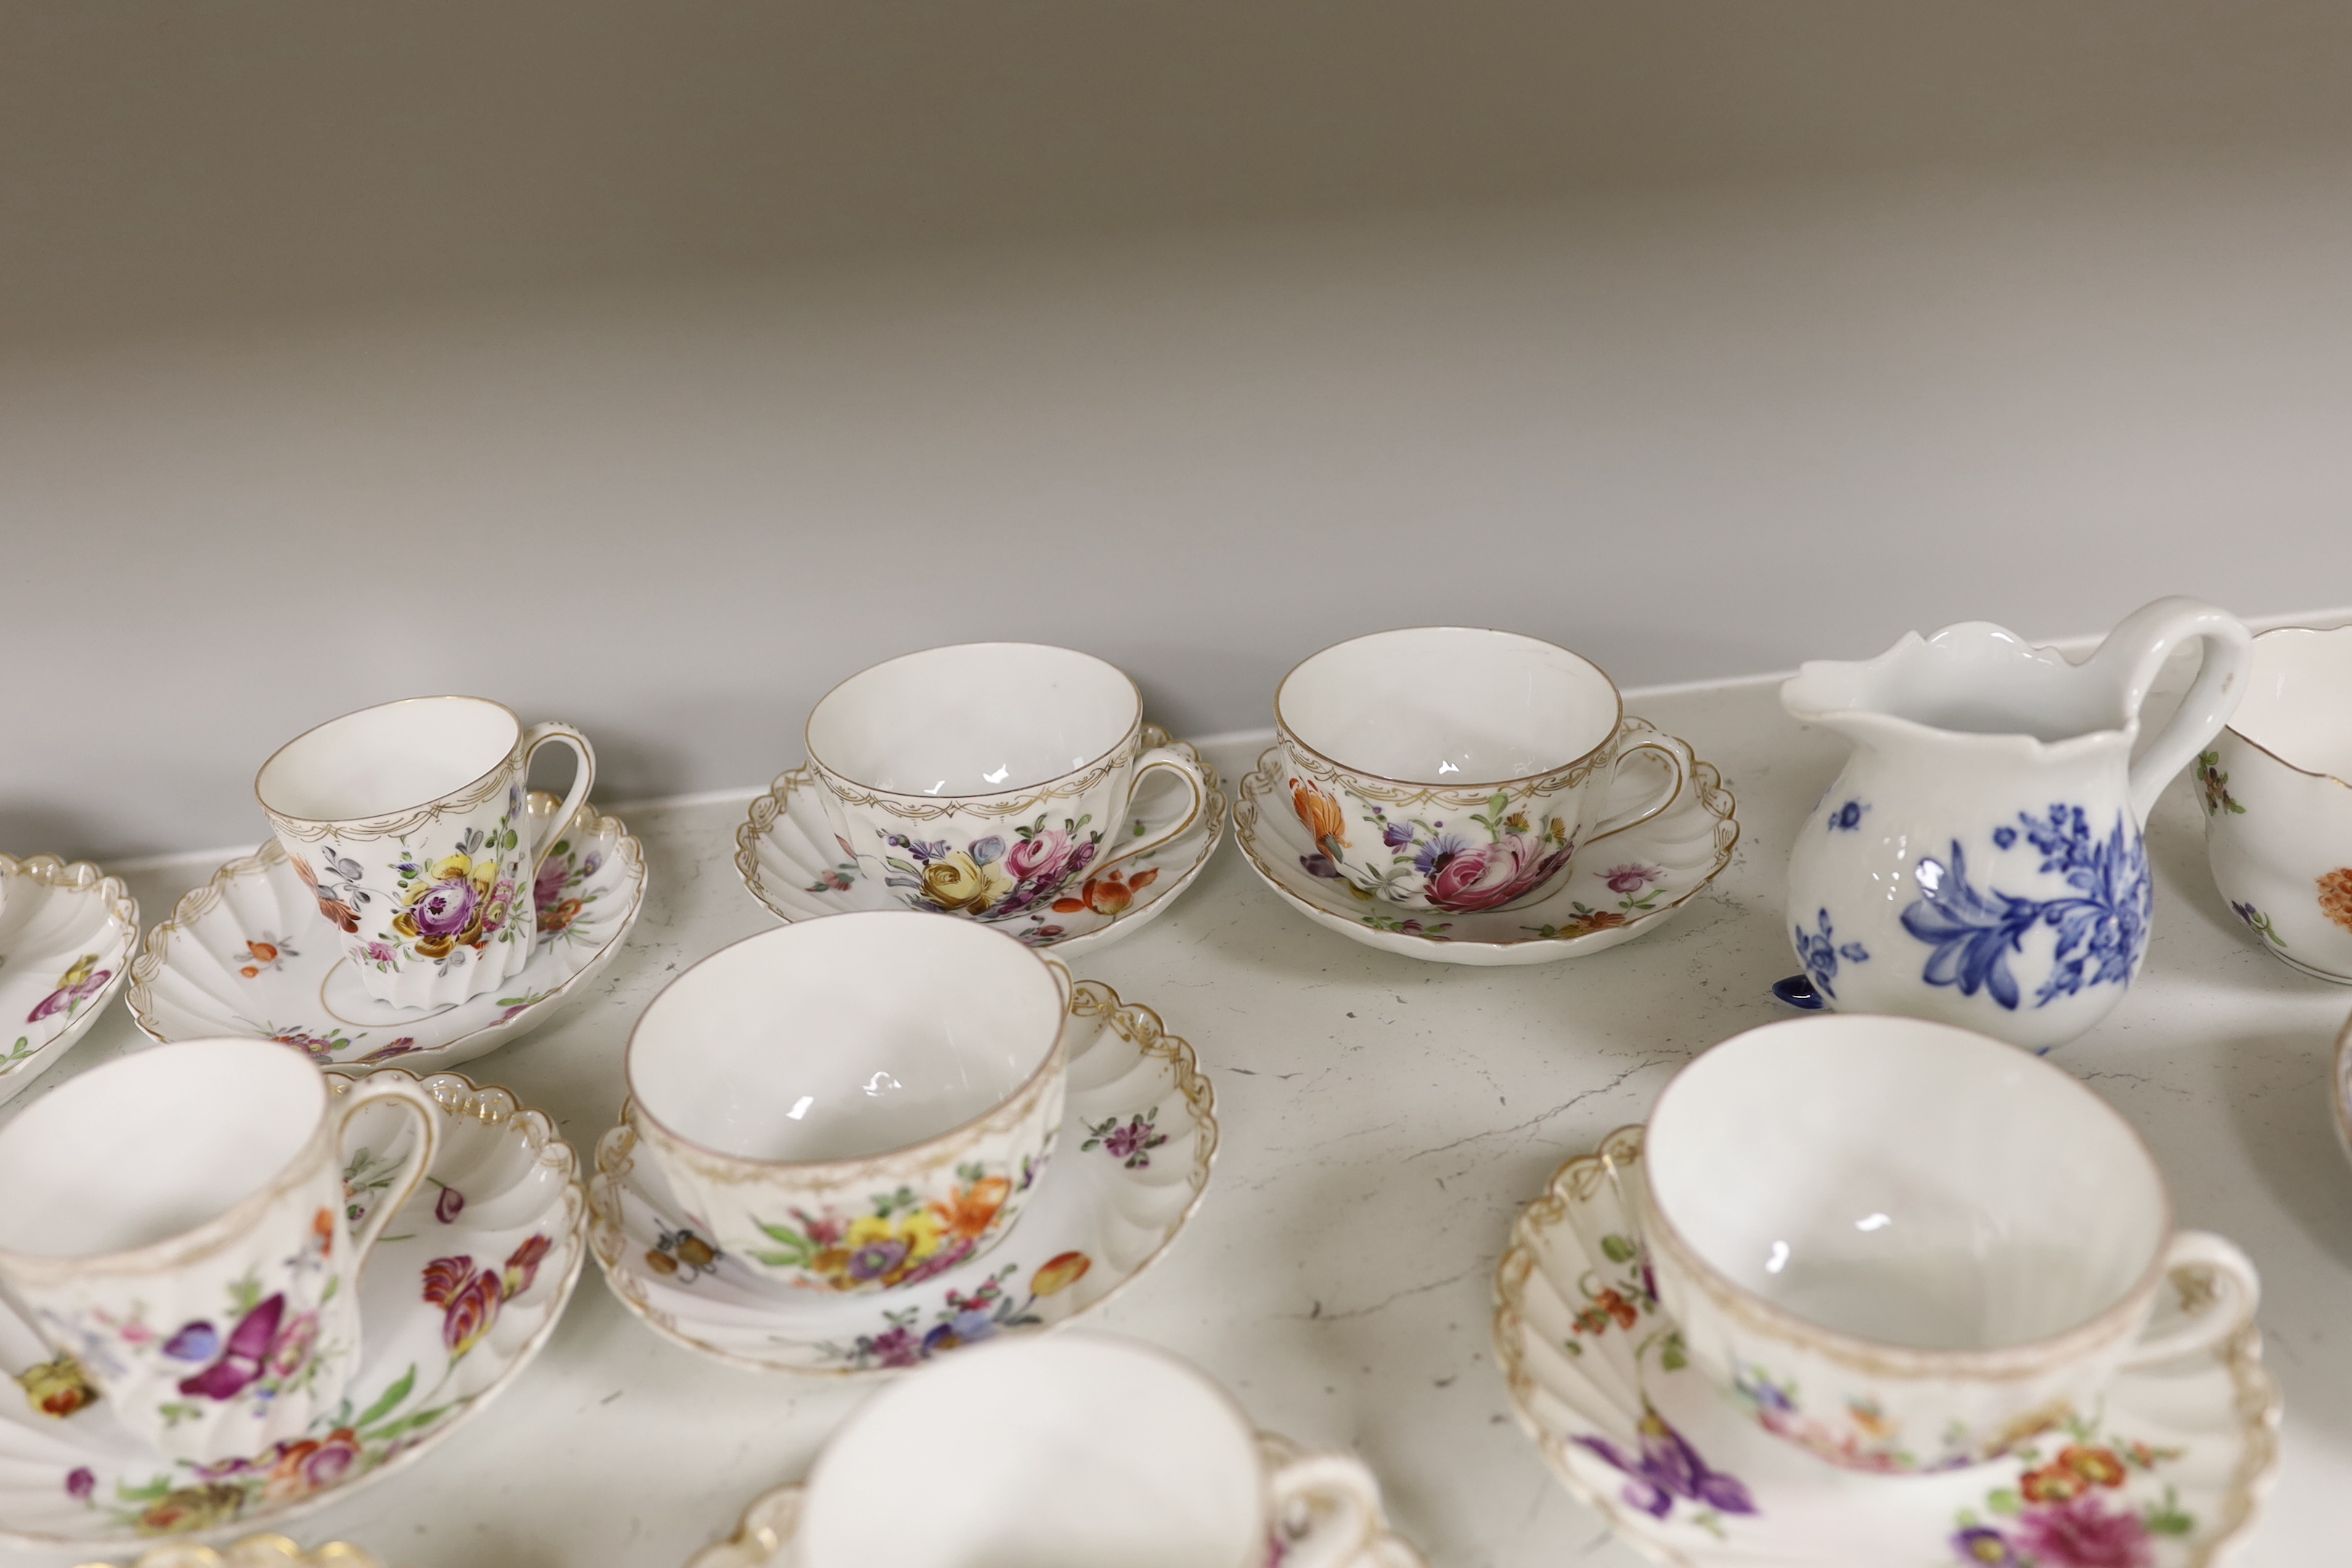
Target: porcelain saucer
[(789, 857), (1627, 884), (764, 1536), (66, 932), (1130, 1164), (503, 1199), (2167, 1474), (247, 954)]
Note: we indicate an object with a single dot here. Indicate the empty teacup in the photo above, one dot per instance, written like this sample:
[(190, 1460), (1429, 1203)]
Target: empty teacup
[(1456, 769), (407, 821), (1073, 1450), (854, 1103), (2278, 809), (1905, 1247), (991, 780), (174, 1230)]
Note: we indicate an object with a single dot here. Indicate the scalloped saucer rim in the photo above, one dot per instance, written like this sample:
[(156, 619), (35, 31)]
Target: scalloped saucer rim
[(70, 995)]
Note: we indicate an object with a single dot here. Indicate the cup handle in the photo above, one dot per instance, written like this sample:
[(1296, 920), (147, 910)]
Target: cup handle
[(1678, 767), (408, 1094), (1335, 1483), (2221, 1288), (1061, 973), (1183, 767), (2138, 648), (585, 776)]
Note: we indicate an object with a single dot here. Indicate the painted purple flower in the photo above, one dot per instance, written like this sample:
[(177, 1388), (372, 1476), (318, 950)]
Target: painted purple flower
[(241, 1361), (79, 983), (1319, 865), (1986, 1548), (1397, 834), (382, 953), (445, 909), (900, 1347), (2081, 1534), (80, 1482), (1632, 878), (1438, 853), (877, 1259), (449, 1205), (548, 886), (1668, 1467), (1127, 1139), (198, 1341), (966, 1328), (940, 1262)]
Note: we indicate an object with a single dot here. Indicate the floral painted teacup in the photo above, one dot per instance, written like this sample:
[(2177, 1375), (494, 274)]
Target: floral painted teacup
[(174, 1229), (1454, 769), (1071, 1448), (2278, 806), (854, 1103), (992, 780), (407, 821), (1906, 1248)]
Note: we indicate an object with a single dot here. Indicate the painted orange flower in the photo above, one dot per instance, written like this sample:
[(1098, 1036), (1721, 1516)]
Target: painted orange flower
[(1319, 814), (60, 1387), (1059, 1274), (2335, 896), (1107, 895), (263, 954), (1617, 1306), (2053, 1482), (969, 1213), (2097, 1466), (322, 1225)]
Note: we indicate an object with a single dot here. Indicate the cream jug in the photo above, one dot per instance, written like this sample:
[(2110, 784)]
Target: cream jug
[(1980, 860)]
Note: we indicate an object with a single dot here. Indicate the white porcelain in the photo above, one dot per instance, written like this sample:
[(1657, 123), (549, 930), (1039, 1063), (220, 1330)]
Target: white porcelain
[(243, 955), (175, 1227), (1979, 859), (1138, 1139), (1450, 770), (792, 860), (66, 937), (853, 1104), (462, 1291), (1957, 1247), (2169, 1470), (408, 821), (1096, 1450), (2278, 810), (1648, 873), (767, 1534), (988, 779)]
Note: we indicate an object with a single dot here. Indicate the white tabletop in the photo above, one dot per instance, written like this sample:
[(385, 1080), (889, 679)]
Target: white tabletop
[(1382, 1121)]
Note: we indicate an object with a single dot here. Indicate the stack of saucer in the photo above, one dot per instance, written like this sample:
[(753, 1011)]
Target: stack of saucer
[(940, 1140), (1184, 1481), (1871, 1290)]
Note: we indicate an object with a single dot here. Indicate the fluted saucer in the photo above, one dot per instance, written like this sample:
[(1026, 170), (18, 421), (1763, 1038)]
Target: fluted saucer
[(66, 932)]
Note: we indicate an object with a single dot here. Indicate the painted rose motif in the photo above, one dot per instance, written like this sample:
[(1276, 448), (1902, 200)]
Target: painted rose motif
[(2075, 1511), (82, 981), (1632, 878), (903, 1241), (311, 1465), (990, 878), (548, 886), (1489, 876), (1496, 857), (80, 1481), (2336, 897)]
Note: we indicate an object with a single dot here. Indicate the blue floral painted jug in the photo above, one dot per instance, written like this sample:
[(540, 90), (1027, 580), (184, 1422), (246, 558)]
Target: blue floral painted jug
[(1980, 859)]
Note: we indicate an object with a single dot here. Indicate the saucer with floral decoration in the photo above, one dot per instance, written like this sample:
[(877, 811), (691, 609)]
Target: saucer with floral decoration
[(66, 931)]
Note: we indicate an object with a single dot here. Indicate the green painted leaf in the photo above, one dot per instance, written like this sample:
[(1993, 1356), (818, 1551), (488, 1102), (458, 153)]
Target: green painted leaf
[(2005, 1503), (389, 1400), (1617, 1249)]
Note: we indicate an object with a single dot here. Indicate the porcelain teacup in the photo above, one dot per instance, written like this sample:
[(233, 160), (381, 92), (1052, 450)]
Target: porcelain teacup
[(854, 1103), (407, 821), (1456, 769), (175, 1230), (2278, 809), (991, 780), (1073, 1450), (1905, 1247)]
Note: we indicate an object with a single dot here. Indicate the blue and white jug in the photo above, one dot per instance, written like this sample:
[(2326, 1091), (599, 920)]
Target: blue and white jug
[(1980, 860)]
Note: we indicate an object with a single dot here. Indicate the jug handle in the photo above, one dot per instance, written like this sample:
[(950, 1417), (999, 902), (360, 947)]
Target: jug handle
[(2138, 648)]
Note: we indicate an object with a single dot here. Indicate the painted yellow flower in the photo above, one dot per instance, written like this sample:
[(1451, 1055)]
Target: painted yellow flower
[(957, 881), (449, 868), (57, 1387), (1059, 1273)]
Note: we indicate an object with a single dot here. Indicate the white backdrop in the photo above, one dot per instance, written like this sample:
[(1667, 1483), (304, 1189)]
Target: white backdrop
[(1832, 366)]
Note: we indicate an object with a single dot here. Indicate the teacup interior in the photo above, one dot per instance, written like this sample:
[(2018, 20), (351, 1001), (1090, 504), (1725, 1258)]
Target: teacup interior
[(1068, 1451), (2298, 703), (386, 759), (1905, 1181), (977, 718), (1448, 705), (852, 1035), (153, 1145)]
